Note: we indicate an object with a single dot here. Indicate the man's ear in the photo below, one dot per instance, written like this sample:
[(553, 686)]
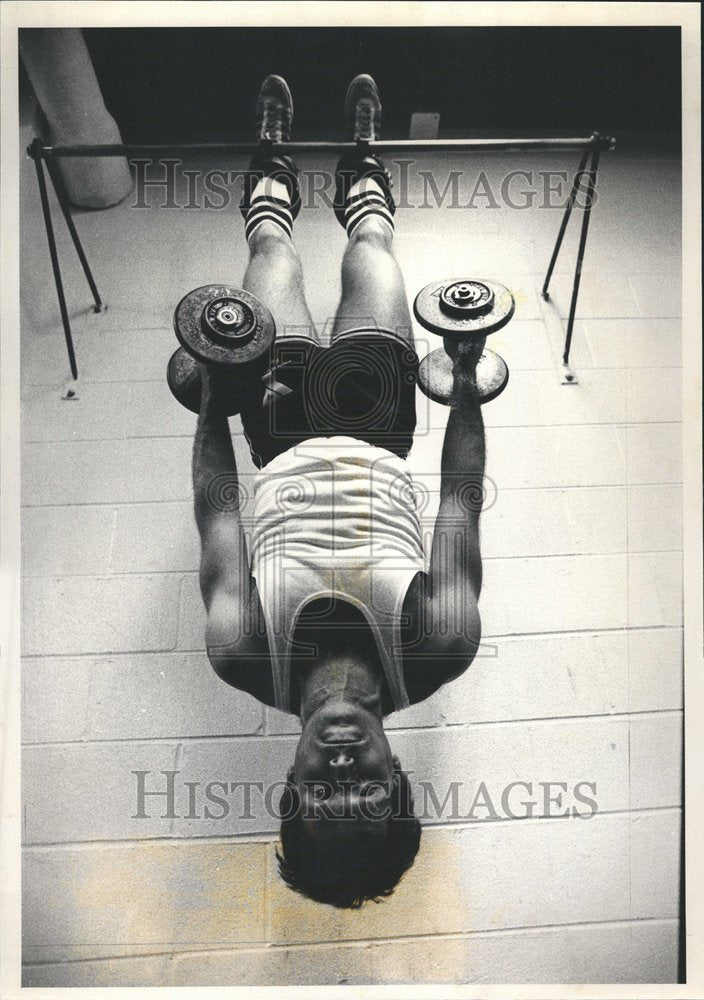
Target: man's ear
[(289, 775), (396, 763)]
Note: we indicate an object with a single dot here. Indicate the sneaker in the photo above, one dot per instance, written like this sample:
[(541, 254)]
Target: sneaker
[(274, 115), (363, 109), (274, 111), (363, 116)]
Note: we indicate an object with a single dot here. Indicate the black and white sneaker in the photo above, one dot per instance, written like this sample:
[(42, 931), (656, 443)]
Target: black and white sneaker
[(363, 109), (274, 117), (274, 110), (354, 201)]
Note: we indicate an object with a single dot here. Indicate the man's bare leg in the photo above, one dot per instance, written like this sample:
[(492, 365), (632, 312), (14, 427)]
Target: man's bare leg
[(275, 276), (270, 206), (373, 292)]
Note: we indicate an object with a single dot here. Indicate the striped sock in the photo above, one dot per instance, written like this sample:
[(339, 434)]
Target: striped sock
[(270, 202), (366, 199)]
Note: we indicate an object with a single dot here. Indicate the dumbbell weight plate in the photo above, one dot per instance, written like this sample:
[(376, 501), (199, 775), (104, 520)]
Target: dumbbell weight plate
[(436, 380), (223, 325), (463, 307), (184, 379), (183, 374)]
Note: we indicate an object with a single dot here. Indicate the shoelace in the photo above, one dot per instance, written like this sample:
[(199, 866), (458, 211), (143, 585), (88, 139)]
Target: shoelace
[(275, 120), (365, 120)]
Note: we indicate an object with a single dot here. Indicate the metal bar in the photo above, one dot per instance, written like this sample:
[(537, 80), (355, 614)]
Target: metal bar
[(563, 224), (41, 180), (591, 188), (60, 191), (385, 145), (40, 151)]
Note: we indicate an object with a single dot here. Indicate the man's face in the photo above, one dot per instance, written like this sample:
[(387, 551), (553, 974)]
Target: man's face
[(343, 764)]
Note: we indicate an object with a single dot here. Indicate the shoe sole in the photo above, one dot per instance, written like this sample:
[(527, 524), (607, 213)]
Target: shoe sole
[(351, 105), (286, 89)]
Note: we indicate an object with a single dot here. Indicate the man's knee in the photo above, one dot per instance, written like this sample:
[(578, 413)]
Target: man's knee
[(271, 241), (373, 234)]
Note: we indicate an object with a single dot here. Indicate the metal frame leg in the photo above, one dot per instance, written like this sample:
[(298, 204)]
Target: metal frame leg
[(591, 188), (49, 226), (563, 224), (570, 377), (39, 156), (60, 191)]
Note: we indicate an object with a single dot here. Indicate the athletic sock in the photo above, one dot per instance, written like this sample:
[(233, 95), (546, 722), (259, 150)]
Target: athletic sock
[(366, 199), (270, 202)]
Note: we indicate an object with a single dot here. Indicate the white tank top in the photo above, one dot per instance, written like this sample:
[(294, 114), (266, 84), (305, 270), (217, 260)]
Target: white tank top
[(335, 517)]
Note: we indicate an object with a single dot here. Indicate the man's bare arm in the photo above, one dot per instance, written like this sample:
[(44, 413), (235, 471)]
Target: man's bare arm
[(455, 564), (216, 500), (462, 482), (235, 637)]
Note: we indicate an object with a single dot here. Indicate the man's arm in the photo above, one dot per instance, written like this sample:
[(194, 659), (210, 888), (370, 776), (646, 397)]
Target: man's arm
[(456, 559), (237, 647), (216, 496), (455, 576)]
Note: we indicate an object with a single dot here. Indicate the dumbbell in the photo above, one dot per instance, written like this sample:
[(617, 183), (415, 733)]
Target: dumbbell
[(226, 327), (459, 309)]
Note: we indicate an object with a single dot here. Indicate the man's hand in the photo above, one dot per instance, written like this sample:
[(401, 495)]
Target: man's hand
[(464, 353), (216, 383)]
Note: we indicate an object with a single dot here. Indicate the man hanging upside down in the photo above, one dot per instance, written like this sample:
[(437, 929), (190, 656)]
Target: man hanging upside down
[(334, 617)]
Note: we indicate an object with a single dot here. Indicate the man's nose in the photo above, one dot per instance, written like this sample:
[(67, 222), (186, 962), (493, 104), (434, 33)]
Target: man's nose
[(342, 763)]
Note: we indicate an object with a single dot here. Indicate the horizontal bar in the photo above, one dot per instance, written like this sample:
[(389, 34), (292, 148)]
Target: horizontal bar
[(595, 141)]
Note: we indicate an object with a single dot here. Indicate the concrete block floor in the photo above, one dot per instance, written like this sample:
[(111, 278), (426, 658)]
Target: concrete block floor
[(581, 677)]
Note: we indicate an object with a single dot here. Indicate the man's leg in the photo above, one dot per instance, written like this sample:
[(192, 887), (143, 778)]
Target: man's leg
[(275, 420), (373, 292), (275, 276), (269, 207), (375, 371)]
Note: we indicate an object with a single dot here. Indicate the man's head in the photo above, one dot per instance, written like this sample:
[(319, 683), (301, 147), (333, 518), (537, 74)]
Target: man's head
[(348, 832)]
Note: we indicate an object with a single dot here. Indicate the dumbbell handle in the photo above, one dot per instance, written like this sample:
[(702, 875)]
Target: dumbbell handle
[(465, 353)]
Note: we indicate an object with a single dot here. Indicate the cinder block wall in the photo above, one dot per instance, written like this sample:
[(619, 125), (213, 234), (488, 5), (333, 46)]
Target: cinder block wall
[(579, 681)]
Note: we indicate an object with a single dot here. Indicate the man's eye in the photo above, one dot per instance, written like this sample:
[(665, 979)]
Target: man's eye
[(320, 791), (369, 788)]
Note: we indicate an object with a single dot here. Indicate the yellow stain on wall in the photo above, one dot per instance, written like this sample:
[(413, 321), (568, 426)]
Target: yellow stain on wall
[(173, 895), (428, 900)]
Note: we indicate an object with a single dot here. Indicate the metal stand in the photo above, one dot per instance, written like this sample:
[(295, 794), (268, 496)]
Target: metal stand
[(41, 153), (570, 378)]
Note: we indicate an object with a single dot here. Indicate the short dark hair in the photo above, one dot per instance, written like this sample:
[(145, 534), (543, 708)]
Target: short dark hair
[(349, 871)]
